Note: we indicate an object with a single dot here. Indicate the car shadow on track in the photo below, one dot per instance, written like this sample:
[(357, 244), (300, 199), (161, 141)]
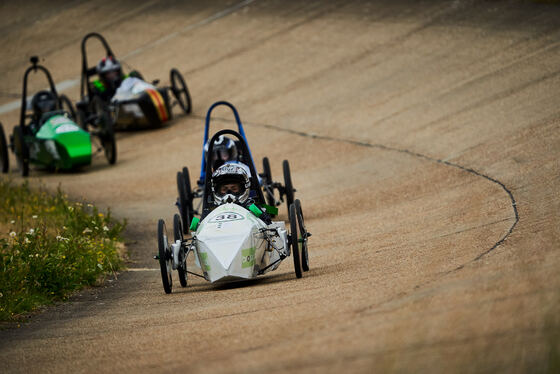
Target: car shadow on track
[(259, 282)]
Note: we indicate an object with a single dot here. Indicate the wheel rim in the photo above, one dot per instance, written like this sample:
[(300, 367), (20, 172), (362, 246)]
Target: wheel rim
[(164, 257), (179, 88)]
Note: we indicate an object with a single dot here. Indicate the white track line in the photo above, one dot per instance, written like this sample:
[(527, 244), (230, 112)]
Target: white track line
[(70, 83), (143, 269)]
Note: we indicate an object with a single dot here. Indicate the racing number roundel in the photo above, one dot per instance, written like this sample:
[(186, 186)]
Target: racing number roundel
[(226, 217)]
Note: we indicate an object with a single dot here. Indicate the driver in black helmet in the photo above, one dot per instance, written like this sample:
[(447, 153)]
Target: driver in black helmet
[(223, 151), (42, 102)]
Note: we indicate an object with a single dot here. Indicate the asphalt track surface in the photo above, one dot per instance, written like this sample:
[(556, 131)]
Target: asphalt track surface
[(423, 140)]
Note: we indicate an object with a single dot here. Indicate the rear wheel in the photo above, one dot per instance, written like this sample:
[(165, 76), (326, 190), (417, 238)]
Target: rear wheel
[(267, 175), (165, 261), (4, 151), (190, 209), (289, 188), (303, 235), (296, 253), (180, 90), (21, 151), (67, 106), (178, 235), (185, 198)]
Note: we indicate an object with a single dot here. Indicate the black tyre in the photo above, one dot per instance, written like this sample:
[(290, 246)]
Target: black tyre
[(110, 147), (104, 126), (184, 210), (81, 119), (22, 151), (296, 253), (289, 188), (303, 235), (267, 176), (180, 90), (178, 235), (4, 151), (189, 195), (67, 106), (165, 260)]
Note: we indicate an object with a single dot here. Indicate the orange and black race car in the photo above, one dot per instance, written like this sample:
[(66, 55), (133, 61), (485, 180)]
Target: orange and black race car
[(127, 99)]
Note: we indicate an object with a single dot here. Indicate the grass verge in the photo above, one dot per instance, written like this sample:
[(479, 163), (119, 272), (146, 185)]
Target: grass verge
[(50, 247)]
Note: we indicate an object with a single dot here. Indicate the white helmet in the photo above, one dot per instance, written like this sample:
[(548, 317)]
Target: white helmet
[(110, 72), (230, 184)]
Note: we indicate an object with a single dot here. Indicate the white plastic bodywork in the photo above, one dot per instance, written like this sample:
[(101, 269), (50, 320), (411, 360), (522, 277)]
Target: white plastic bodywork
[(231, 243), (131, 88)]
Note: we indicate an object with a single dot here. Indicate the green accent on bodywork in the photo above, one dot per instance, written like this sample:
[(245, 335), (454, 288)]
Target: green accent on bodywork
[(204, 260), (99, 85), (194, 223), (64, 145), (248, 259), (271, 209), (255, 210)]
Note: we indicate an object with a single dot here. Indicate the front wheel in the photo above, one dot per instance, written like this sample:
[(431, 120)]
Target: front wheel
[(4, 151), (180, 90), (185, 198), (21, 151), (165, 260), (303, 236), (296, 253), (288, 187), (178, 235), (267, 183)]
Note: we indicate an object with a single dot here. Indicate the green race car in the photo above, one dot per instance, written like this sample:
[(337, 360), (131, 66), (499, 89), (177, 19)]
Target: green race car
[(48, 136)]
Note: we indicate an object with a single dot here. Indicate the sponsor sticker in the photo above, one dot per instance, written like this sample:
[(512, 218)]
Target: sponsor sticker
[(204, 260), (248, 258), (67, 127)]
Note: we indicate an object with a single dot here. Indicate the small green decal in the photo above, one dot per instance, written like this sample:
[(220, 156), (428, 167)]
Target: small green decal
[(204, 260), (248, 257)]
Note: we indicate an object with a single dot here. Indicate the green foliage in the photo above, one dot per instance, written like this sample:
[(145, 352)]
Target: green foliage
[(50, 247)]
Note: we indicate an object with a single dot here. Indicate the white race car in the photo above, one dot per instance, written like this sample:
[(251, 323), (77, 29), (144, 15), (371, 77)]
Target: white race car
[(232, 243)]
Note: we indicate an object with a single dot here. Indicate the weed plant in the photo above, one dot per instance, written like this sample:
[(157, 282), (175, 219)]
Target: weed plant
[(50, 247)]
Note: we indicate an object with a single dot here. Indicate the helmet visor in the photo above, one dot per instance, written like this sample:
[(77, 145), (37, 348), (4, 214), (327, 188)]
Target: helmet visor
[(230, 185)]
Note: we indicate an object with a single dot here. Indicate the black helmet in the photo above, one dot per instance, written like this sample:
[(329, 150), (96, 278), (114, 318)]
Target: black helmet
[(224, 149), (43, 102)]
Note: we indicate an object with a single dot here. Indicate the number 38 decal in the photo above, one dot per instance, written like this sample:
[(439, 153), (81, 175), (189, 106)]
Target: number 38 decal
[(226, 217)]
